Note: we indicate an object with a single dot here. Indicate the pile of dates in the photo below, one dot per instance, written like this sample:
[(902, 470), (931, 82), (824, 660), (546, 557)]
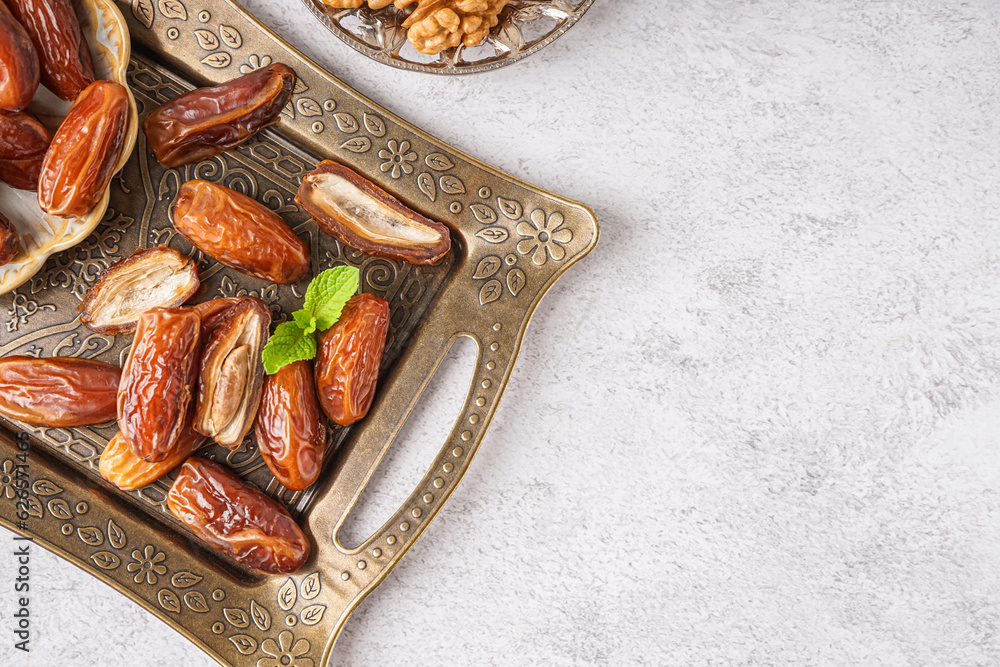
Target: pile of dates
[(41, 43), (194, 373)]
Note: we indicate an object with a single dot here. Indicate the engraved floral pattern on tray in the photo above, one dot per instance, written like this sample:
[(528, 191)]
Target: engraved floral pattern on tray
[(525, 27)]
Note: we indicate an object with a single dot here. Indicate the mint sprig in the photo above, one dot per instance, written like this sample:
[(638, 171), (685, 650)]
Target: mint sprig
[(326, 296)]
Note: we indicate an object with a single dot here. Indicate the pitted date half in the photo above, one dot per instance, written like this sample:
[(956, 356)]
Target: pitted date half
[(291, 433), (348, 359), (149, 278), (229, 383), (81, 159), (58, 391), (19, 66), (236, 231), (359, 213), (158, 381), (120, 466), (208, 121), (66, 65), (10, 244), (237, 519), (23, 142)]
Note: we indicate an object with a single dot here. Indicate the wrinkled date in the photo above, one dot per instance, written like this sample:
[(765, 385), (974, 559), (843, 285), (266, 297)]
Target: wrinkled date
[(359, 213), (128, 472), (148, 278), (82, 157), (23, 142), (232, 373), (19, 66), (348, 358), (237, 519), (238, 232), (291, 433), (158, 381), (10, 245), (208, 121), (58, 391), (55, 33)]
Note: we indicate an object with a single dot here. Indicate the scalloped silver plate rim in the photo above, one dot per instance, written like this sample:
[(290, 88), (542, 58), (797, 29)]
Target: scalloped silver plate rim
[(316, 7)]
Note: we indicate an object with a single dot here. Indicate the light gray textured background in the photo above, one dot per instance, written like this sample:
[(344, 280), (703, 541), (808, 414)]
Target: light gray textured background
[(759, 425)]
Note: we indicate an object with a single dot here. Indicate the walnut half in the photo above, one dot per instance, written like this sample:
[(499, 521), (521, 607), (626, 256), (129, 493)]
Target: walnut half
[(436, 25)]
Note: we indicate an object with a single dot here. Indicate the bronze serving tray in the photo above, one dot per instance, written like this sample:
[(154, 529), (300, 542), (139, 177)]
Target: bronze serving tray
[(512, 241)]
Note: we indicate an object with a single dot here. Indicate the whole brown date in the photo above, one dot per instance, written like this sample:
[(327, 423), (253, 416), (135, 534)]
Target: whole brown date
[(85, 150), (291, 433), (19, 66), (208, 121), (10, 244), (238, 232), (237, 519), (66, 66), (359, 213), (348, 357), (158, 381), (120, 466), (58, 391), (23, 142)]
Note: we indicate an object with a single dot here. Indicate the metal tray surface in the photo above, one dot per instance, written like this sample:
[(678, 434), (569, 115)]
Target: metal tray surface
[(511, 241)]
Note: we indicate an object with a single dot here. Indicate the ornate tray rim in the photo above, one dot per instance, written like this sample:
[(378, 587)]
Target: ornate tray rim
[(496, 324), (317, 9)]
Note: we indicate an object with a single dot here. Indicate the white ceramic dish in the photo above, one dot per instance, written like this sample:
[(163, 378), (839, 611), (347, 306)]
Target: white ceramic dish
[(42, 234)]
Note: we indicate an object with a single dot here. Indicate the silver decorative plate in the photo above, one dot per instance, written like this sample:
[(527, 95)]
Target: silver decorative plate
[(525, 26)]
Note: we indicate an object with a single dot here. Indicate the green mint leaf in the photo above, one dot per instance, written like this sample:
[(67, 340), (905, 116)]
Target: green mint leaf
[(327, 294), (305, 321), (288, 343)]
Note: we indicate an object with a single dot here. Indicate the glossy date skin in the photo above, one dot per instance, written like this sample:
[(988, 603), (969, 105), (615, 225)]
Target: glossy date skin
[(291, 431), (128, 472), (238, 232), (66, 65), (208, 121), (19, 66), (158, 381), (10, 245), (23, 142), (58, 391), (237, 519), (81, 159), (348, 358)]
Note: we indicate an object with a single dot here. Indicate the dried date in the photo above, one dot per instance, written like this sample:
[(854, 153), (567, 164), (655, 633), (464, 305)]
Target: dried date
[(10, 244), (348, 358), (58, 391), (238, 232), (359, 213), (66, 65), (85, 150), (19, 65), (148, 278), (23, 142), (208, 121), (158, 381), (237, 519), (232, 373), (291, 433), (120, 466)]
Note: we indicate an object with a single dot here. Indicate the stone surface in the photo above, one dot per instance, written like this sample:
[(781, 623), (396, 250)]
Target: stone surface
[(759, 425)]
